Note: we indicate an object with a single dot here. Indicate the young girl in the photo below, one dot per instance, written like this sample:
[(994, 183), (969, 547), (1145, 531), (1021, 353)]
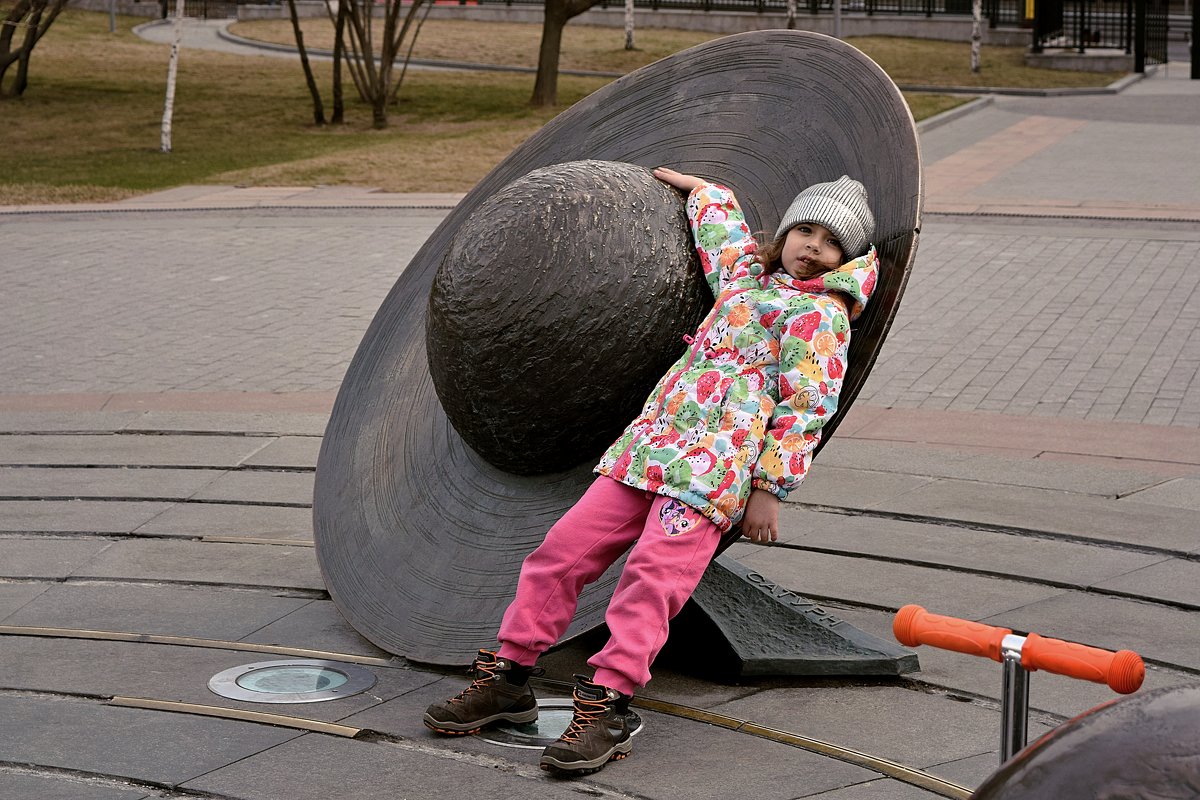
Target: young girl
[(722, 439)]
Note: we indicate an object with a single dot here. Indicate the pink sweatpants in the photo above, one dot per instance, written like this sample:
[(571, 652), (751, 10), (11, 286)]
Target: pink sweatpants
[(672, 545)]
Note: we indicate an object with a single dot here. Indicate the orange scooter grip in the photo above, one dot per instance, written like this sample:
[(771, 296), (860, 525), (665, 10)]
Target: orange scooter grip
[(1123, 670), (914, 625)]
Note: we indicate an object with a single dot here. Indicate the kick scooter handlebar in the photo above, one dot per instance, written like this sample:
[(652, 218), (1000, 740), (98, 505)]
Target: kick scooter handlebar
[(1123, 671)]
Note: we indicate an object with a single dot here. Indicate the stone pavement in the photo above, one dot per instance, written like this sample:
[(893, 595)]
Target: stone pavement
[(1026, 453)]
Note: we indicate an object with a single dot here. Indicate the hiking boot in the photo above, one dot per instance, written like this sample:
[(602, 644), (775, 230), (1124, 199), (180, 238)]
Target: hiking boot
[(500, 693), (598, 733)]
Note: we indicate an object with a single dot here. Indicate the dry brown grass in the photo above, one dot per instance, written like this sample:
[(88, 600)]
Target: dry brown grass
[(584, 47), (907, 61)]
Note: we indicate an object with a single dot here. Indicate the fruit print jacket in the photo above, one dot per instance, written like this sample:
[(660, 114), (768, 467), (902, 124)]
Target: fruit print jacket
[(744, 406)]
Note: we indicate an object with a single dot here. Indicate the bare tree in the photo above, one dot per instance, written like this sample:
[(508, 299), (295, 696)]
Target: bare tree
[(318, 106), (557, 13), (373, 76), (25, 23)]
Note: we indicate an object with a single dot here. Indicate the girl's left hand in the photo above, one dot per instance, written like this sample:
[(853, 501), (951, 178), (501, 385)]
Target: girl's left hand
[(760, 523)]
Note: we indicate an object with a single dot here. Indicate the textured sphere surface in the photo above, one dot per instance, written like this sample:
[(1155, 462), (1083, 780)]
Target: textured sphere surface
[(560, 300), (1142, 747)]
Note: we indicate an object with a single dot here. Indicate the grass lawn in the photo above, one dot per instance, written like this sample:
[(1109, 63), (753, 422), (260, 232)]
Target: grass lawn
[(87, 128)]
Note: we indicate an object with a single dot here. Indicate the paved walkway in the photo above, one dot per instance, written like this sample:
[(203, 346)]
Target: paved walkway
[(1026, 453)]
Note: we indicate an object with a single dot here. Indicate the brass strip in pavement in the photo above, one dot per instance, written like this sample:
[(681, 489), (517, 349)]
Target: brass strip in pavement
[(891, 769), (187, 641), (249, 540), (281, 720)]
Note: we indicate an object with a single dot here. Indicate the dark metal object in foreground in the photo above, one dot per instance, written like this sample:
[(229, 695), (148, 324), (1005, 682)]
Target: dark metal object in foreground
[(773, 631), (1142, 747), (419, 538)]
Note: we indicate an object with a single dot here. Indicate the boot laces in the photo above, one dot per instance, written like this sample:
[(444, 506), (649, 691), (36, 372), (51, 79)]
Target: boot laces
[(485, 673), (587, 713)]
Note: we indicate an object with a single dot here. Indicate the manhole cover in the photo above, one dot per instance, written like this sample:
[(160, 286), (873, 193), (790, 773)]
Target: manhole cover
[(554, 715), (303, 680)]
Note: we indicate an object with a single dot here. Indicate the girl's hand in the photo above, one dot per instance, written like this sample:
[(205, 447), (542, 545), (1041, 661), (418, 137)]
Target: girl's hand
[(678, 179), (760, 523)]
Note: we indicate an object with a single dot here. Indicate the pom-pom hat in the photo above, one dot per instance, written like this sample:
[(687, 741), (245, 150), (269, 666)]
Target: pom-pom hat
[(841, 206)]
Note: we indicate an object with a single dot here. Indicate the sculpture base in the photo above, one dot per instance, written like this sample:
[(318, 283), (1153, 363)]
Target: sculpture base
[(772, 631)]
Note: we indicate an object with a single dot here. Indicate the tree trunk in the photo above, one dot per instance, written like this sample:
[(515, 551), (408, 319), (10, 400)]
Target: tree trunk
[(318, 106), (172, 72), (791, 15), (629, 24), (35, 16), (557, 12), (339, 47), (976, 33)]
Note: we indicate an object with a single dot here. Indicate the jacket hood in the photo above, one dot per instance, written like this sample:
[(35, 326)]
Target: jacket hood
[(855, 279)]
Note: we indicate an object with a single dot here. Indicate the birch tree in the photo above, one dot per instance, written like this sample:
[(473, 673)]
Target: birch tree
[(172, 73), (629, 24), (976, 32), (21, 29)]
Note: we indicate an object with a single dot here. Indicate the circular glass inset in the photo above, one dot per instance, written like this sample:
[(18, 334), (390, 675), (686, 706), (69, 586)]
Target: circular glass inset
[(289, 680), (295, 681), (554, 715)]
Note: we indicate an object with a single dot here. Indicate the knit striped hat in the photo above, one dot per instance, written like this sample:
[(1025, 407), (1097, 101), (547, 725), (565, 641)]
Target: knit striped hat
[(841, 206)]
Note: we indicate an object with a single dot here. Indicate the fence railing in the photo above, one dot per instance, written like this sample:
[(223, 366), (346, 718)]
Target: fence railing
[(1083, 25)]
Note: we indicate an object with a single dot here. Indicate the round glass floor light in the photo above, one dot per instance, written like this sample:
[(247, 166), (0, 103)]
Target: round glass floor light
[(554, 715), (299, 680)]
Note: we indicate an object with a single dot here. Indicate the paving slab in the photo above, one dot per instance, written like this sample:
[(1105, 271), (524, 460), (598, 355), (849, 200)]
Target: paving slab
[(1017, 468), (14, 596), (1179, 493), (881, 720), (57, 786), (76, 516), (166, 672), (1163, 634), (194, 520), (47, 558), (214, 612), (880, 789), (264, 488), (319, 625), (1063, 562), (207, 562), (887, 585), (254, 423), (134, 450), (1173, 581), (314, 767), (1172, 529), (143, 745), (67, 421), (835, 486), (973, 770), (99, 483), (288, 451)]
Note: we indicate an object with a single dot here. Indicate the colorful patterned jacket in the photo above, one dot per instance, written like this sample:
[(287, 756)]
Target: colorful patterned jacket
[(744, 406)]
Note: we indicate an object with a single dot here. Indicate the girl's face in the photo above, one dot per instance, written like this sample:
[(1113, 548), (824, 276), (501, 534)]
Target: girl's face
[(810, 250)]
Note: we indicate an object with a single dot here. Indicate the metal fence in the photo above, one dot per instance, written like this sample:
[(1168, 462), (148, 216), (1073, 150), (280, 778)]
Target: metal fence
[(1136, 27)]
